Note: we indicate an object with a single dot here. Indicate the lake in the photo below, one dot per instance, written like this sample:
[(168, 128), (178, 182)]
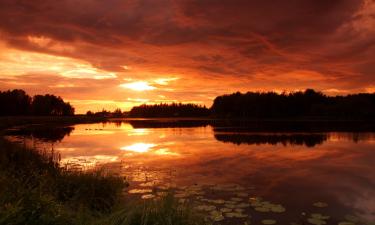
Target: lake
[(251, 173)]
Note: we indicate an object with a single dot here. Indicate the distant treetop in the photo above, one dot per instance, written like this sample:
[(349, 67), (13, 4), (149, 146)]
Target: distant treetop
[(17, 102)]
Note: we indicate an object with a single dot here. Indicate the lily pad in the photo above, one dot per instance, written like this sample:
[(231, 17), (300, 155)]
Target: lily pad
[(352, 218), (216, 216), (242, 205), (225, 210), (278, 209), (236, 199), (320, 204), (205, 207), (346, 223), (235, 215), (139, 191), (319, 216), (231, 206), (316, 221), (239, 210), (148, 196), (268, 221), (261, 209), (242, 194)]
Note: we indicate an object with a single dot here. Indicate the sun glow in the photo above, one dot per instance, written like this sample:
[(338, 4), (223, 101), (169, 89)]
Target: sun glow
[(138, 86), (138, 147)]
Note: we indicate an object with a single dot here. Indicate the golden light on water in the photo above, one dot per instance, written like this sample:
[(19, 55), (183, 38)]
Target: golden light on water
[(138, 147)]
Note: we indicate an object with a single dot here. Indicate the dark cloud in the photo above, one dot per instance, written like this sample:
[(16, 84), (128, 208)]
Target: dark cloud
[(252, 41)]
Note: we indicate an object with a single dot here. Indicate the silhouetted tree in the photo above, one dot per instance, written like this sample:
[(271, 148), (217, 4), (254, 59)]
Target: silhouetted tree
[(169, 110), (297, 104), (46, 105), (17, 102)]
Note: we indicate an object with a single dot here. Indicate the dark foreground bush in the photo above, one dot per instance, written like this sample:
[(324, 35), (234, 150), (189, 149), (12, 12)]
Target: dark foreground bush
[(35, 190)]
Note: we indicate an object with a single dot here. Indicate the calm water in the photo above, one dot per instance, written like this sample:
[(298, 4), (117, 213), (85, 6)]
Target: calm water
[(207, 163)]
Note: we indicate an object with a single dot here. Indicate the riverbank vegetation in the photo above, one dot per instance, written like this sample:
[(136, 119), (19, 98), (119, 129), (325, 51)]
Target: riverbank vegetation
[(34, 189)]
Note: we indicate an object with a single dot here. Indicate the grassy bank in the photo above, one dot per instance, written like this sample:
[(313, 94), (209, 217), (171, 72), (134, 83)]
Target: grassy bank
[(35, 190)]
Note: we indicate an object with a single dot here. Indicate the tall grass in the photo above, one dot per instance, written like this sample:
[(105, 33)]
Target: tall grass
[(34, 190), (162, 211)]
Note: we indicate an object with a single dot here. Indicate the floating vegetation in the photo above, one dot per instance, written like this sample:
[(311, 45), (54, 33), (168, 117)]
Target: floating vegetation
[(261, 209), (317, 219), (148, 196), (235, 215), (242, 194), (268, 221), (216, 216), (224, 210), (320, 204), (206, 207), (231, 206), (227, 187), (265, 206), (214, 201), (239, 210), (243, 205), (346, 223), (139, 191), (352, 218), (319, 216), (236, 199)]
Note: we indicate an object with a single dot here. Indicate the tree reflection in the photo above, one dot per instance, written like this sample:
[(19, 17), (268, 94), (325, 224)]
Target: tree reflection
[(43, 133), (309, 140)]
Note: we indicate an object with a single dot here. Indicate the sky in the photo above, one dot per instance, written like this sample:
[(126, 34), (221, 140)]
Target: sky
[(120, 53)]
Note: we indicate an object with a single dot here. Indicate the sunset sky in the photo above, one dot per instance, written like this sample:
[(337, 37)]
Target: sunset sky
[(120, 53)]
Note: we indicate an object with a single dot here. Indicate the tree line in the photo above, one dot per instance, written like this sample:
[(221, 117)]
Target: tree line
[(169, 110), (18, 103), (308, 103)]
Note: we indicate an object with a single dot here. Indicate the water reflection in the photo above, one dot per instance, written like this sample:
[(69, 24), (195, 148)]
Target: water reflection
[(43, 133), (138, 147), (309, 140), (296, 169)]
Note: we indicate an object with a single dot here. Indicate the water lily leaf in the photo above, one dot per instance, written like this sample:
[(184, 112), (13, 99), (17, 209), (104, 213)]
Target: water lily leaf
[(278, 208), (346, 223), (319, 216), (242, 194), (242, 205), (316, 221), (224, 210), (239, 210), (235, 215), (261, 209), (268, 221), (352, 218), (205, 207), (148, 196), (231, 206), (139, 191), (320, 204), (217, 201)]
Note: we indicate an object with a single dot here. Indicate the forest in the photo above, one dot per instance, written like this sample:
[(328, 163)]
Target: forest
[(309, 103), (18, 103), (169, 110)]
